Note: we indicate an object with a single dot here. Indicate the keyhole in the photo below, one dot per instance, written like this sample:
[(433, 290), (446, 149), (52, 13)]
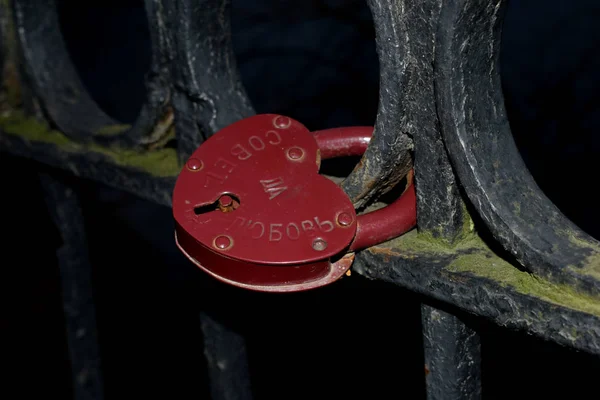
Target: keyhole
[(226, 203)]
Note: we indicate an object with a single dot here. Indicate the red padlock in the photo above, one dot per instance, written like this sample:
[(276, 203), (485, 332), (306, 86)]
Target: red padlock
[(252, 210)]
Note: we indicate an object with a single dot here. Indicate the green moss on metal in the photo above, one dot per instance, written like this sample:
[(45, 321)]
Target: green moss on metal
[(113, 130), (439, 236), (468, 226), (487, 265), (14, 123), (471, 255), (416, 243), (516, 207), (160, 162), (591, 264)]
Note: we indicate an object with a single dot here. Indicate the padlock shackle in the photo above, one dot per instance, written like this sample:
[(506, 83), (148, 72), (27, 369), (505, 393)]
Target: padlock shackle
[(343, 142), (387, 222)]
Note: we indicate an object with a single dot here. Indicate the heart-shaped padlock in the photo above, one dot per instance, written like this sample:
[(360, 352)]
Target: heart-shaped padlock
[(252, 210)]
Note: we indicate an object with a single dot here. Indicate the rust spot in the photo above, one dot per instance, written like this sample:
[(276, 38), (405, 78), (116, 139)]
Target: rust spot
[(409, 176), (227, 203), (426, 370), (360, 163), (458, 279), (162, 131), (386, 251)]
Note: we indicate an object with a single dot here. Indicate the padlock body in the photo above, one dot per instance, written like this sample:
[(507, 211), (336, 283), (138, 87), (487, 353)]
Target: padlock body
[(264, 277), (284, 225)]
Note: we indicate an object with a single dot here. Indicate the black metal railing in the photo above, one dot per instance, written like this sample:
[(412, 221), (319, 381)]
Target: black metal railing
[(489, 243)]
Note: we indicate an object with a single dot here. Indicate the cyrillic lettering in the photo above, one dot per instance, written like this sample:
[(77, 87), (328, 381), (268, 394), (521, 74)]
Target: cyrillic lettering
[(226, 165), (275, 235), (327, 223), (262, 230), (240, 152), (294, 232), (256, 143), (277, 137)]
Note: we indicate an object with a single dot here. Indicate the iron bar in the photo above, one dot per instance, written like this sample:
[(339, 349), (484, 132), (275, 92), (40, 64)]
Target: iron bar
[(487, 162), (61, 93), (76, 281), (225, 352), (452, 357), (208, 92)]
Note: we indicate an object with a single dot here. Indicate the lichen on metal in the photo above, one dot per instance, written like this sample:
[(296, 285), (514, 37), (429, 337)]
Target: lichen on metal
[(111, 130), (160, 162), (472, 256), (442, 110), (591, 263), (494, 268)]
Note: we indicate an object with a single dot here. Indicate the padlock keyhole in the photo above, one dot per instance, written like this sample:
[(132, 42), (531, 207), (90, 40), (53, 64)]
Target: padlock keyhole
[(226, 203)]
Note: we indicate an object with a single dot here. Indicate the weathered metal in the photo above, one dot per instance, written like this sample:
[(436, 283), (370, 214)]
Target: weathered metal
[(252, 211), (452, 356), (225, 352), (485, 158), (472, 277), (63, 97), (488, 243), (387, 160), (77, 289), (207, 91)]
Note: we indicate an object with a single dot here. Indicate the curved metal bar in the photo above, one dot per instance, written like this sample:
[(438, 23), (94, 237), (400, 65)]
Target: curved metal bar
[(387, 160), (208, 91), (482, 150), (61, 92), (343, 142), (385, 223)]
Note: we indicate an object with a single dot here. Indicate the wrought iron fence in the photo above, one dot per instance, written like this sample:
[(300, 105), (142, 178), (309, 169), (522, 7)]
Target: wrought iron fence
[(489, 243)]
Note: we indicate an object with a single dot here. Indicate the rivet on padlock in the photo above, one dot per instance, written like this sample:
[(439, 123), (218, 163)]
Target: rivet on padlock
[(251, 209)]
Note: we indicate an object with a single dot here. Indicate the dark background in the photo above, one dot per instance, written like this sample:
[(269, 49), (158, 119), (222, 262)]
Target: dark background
[(314, 61)]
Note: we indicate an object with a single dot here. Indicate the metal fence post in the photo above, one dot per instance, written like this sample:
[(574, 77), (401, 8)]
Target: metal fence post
[(227, 360), (76, 282), (452, 356)]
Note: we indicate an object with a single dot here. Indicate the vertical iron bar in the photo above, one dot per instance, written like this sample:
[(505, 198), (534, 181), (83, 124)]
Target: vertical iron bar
[(76, 281), (451, 349), (225, 352), (452, 357)]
